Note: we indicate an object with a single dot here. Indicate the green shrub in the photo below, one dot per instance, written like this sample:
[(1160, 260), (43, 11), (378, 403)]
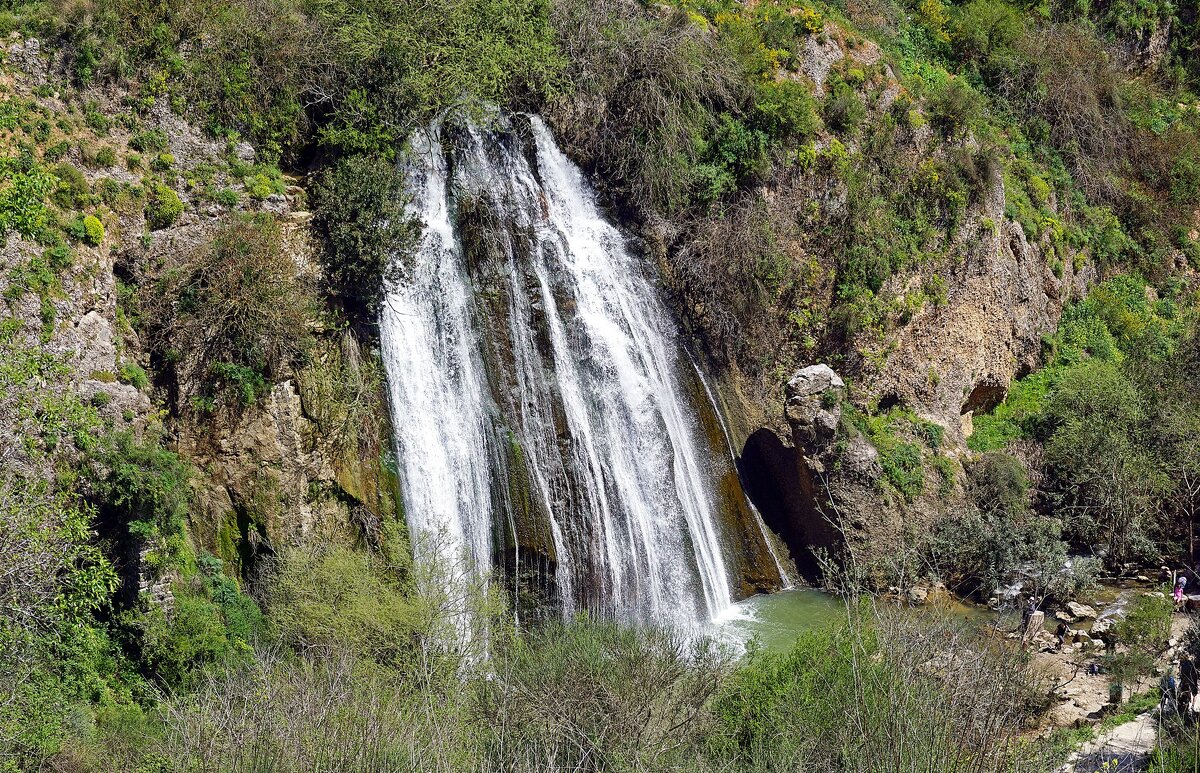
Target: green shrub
[(955, 107), (341, 601), (56, 579), (96, 120), (823, 704), (843, 111), (140, 486), (247, 383), (212, 622), (191, 636), (985, 31), (983, 551), (106, 156), (23, 199), (646, 142), (164, 207), (56, 151), (149, 141), (1100, 472), (735, 155), (93, 230), (1144, 632), (635, 693), (359, 213), (902, 466), (785, 109), (999, 484), (73, 187), (133, 374), (234, 315)]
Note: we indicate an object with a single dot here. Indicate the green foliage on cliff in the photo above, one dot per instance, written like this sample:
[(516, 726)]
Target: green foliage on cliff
[(359, 211), (359, 75), (902, 439), (164, 207), (231, 316), (55, 580), (1112, 407)]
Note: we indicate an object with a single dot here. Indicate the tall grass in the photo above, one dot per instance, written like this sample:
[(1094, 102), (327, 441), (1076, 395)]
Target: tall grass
[(374, 664)]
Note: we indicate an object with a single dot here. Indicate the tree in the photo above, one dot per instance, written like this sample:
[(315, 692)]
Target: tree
[(360, 214), (1102, 476)]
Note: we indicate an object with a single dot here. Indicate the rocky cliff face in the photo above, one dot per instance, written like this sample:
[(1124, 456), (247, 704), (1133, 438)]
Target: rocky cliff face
[(819, 479), (276, 472)]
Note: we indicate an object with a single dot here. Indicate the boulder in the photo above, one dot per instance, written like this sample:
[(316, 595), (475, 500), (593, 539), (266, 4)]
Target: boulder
[(1081, 611), (813, 381), (1064, 616), (918, 595), (1101, 628), (1035, 626), (814, 418)]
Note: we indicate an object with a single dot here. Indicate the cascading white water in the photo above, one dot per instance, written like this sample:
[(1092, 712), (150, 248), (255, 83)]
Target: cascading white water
[(437, 381), (532, 370)]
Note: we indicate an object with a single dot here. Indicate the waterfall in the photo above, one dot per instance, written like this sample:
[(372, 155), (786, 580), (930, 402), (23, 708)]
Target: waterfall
[(784, 577), (540, 425)]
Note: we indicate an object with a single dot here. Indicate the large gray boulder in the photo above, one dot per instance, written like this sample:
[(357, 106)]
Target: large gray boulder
[(814, 397)]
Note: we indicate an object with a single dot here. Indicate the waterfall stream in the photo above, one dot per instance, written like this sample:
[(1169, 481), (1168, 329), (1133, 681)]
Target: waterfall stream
[(540, 423)]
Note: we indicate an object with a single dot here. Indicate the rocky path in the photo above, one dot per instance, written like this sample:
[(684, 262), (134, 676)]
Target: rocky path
[(1123, 749)]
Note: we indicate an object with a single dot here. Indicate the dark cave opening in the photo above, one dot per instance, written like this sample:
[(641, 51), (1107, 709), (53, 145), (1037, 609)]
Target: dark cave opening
[(779, 484), (984, 397)]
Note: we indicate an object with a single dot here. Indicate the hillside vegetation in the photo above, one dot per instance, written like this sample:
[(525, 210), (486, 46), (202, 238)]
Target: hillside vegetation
[(808, 175)]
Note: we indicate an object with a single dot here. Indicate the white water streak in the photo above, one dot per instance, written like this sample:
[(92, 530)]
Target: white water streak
[(602, 423)]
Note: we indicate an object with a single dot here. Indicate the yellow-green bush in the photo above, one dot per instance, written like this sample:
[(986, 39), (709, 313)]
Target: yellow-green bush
[(164, 207), (93, 230)]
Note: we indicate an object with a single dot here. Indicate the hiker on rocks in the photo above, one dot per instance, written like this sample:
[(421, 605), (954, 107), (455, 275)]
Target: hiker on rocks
[(1060, 634), (1187, 686)]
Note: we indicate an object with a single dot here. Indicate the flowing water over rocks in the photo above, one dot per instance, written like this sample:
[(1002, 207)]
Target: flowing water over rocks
[(542, 424)]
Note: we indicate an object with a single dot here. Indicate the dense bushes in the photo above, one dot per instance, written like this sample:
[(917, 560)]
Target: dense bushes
[(878, 695), (341, 602), (1111, 410), (599, 696), (232, 316), (997, 539), (53, 580), (357, 76), (664, 80), (882, 692), (360, 213), (141, 487)]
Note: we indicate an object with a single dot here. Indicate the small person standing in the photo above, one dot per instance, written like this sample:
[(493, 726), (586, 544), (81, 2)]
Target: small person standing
[(1180, 584), (1026, 613), (1187, 686)]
